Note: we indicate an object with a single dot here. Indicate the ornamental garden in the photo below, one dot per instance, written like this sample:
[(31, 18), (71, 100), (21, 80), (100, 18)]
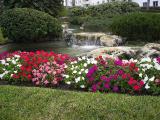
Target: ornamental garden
[(130, 69)]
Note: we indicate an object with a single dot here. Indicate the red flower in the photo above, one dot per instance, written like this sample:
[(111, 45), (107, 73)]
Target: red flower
[(136, 88), (132, 82), (124, 76), (141, 83)]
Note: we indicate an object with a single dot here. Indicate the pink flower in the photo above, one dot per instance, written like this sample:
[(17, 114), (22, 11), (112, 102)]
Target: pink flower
[(46, 82)]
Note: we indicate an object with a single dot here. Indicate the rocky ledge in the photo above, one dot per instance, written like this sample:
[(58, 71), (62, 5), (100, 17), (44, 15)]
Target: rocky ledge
[(92, 38), (149, 50)]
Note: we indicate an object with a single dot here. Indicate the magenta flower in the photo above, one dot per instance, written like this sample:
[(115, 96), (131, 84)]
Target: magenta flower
[(107, 86), (158, 60), (115, 89), (94, 88), (118, 62)]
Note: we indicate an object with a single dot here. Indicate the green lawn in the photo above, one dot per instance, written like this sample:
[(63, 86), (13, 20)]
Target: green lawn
[(29, 103)]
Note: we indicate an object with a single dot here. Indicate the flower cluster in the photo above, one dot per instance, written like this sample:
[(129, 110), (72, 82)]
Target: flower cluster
[(76, 72), (103, 73), (114, 75), (9, 67), (48, 73), (149, 72)]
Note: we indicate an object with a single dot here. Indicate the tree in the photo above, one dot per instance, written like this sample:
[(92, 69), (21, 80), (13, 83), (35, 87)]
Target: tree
[(53, 7)]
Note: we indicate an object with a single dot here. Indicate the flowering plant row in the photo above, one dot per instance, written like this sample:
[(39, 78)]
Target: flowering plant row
[(103, 73)]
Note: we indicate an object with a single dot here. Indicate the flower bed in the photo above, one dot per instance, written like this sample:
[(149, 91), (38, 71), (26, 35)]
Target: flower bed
[(104, 73)]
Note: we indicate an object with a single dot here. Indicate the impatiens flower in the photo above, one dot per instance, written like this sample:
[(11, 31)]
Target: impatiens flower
[(115, 89), (68, 82), (147, 86), (82, 86), (85, 64), (94, 88), (136, 88)]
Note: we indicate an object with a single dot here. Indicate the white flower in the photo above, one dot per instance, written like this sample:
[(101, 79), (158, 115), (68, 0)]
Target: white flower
[(83, 57), (3, 62), (65, 66), (1, 75), (74, 71), (157, 66), (82, 78), (82, 70), (147, 86), (86, 71), (6, 72), (19, 65), (80, 73), (11, 75), (68, 82), (132, 60), (82, 86), (140, 75), (75, 62), (77, 79), (145, 60), (8, 59), (88, 62), (145, 79), (17, 56), (79, 59), (14, 62), (85, 64), (76, 67), (152, 79), (15, 71), (6, 64)]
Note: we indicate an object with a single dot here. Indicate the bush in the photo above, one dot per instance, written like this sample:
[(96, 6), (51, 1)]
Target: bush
[(110, 9), (78, 20), (143, 26), (2, 39), (29, 25), (52, 7), (97, 24)]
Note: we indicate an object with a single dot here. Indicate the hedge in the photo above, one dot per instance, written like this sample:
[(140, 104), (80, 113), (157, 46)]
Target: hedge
[(29, 25), (138, 26), (52, 7), (111, 8)]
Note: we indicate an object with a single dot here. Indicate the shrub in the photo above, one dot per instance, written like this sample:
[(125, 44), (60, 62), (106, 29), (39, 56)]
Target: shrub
[(97, 24), (78, 20), (28, 25), (52, 7), (110, 9), (2, 39), (144, 26)]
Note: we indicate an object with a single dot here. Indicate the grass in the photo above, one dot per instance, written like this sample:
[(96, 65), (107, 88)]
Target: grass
[(30, 103)]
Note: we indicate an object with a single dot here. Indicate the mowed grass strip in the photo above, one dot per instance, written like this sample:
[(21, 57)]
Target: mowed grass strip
[(31, 103)]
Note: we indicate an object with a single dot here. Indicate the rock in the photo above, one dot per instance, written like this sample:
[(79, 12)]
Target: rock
[(110, 40), (155, 46)]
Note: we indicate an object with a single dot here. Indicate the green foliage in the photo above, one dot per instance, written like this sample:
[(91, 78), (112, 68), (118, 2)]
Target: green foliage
[(2, 39), (33, 103), (97, 24), (109, 9), (28, 25), (52, 7), (78, 20), (143, 26)]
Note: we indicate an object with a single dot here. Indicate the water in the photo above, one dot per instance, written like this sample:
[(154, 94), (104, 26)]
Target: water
[(56, 46)]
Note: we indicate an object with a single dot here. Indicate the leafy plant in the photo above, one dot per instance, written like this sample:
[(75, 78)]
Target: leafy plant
[(29, 25), (137, 26), (52, 7)]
